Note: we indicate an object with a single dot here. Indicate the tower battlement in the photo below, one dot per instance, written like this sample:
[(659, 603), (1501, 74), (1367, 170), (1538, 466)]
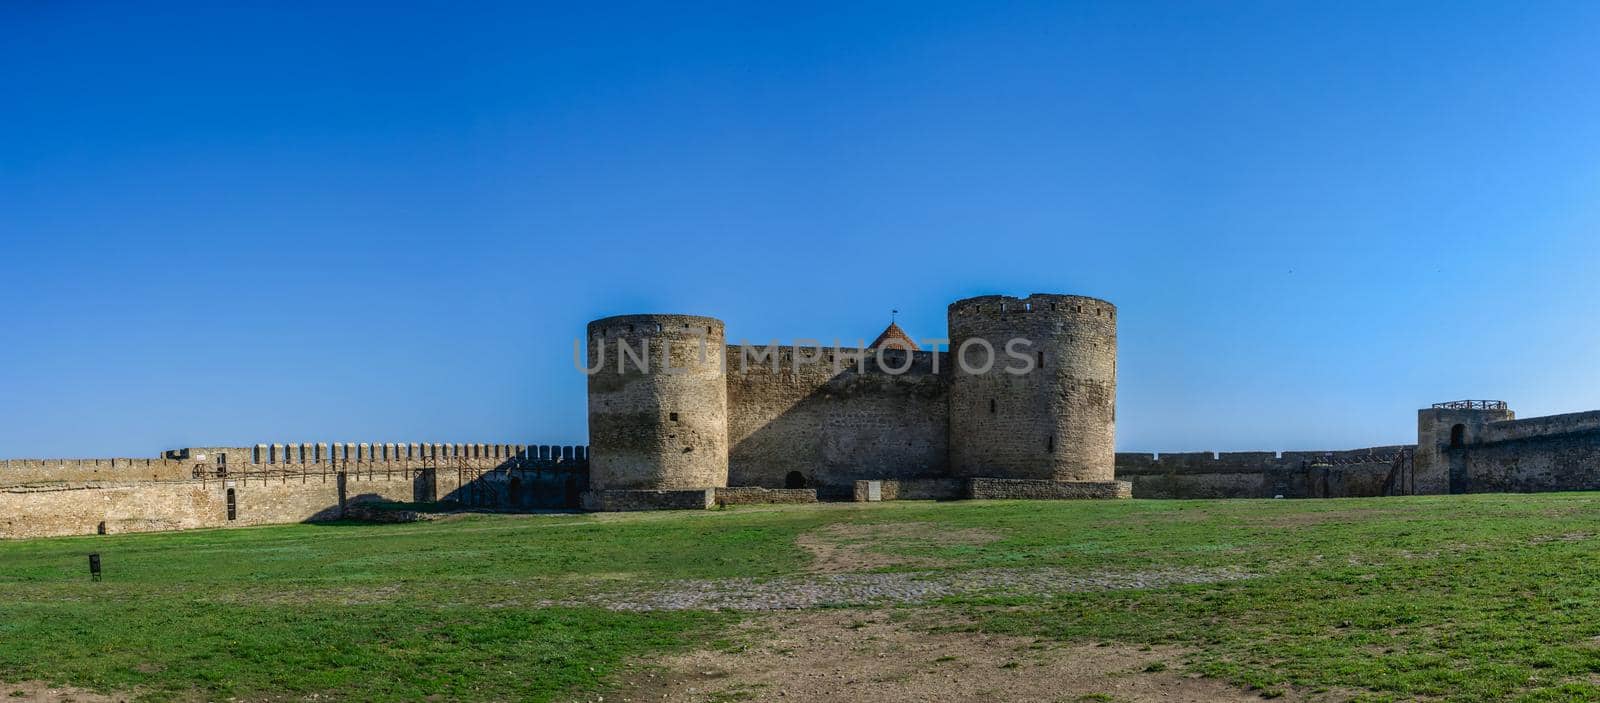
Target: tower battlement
[(1007, 306)]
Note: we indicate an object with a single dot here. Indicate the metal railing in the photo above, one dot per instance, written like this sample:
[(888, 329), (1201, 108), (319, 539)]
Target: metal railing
[(1471, 405)]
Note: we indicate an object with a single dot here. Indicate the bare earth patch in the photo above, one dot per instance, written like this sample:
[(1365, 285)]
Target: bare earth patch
[(845, 547), (40, 692), (857, 589), (865, 657)]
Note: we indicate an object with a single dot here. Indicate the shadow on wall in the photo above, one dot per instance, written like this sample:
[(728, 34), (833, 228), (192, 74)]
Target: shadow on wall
[(507, 489), (827, 430)]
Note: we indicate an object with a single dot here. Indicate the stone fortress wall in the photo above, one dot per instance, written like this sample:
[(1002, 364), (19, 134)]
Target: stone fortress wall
[(1481, 447), (1352, 473), (278, 483), (810, 426)]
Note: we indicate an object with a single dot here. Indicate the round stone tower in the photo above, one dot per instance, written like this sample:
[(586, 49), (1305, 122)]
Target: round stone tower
[(1046, 408), (658, 403)]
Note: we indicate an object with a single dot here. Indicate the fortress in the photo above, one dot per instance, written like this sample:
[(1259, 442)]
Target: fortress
[(1026, 409), (1020, 402)]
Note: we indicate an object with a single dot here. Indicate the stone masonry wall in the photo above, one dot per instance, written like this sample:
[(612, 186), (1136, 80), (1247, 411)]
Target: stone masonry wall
[(1044, 489), (626, 500), (1543, 426), (765, 496), (181, 505), (1568, 461), (17, 472), (834, 428), (1292, 474), (67, 497)]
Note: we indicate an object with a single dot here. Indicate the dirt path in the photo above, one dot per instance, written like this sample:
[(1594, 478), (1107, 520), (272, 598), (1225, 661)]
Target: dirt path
[(40, 692), (864, 657)]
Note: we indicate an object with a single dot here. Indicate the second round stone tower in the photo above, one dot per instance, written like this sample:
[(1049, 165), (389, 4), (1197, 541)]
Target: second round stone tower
[(658, 403), (1056, 420)]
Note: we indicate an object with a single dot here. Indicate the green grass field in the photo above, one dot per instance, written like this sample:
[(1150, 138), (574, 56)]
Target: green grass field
[(1471, 598)]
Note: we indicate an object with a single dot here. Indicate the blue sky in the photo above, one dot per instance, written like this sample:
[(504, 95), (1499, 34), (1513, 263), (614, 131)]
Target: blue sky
[(388, 223)]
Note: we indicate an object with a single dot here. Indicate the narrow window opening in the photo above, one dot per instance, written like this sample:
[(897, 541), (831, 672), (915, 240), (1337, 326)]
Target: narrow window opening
[(672, 416), (992, 405), (1050, 444), (233, 506), (1041, 360)]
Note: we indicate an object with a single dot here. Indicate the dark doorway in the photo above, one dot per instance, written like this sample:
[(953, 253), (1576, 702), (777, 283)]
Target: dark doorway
[(795, 479), (101, 529), (1458, 435), (572, 498), (233, 506), (425, 486)]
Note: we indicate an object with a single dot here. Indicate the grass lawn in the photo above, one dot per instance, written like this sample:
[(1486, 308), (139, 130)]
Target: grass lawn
[(1493, 597)]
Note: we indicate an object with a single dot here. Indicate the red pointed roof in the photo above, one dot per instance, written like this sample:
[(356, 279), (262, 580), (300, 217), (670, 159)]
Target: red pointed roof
[(894, 332)]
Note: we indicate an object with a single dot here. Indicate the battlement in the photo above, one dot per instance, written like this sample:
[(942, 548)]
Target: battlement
[(1003, 306), (407, 452), (650, 325), (197, 462)]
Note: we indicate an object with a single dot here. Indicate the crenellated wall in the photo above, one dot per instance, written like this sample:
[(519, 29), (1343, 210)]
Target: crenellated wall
[(296, 453), (188, 488)]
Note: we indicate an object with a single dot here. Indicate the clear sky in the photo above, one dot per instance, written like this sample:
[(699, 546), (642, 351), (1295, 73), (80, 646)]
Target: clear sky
[(389, 222)]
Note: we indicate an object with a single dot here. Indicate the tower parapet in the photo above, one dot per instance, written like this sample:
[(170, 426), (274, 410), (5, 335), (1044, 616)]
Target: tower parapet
[(1044, 407), (1443, 433)]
